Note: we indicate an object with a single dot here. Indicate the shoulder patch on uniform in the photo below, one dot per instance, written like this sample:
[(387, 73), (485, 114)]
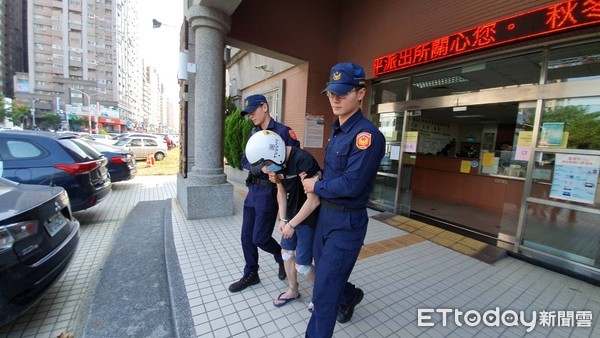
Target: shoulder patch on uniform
[(363, 140), (293, 134)]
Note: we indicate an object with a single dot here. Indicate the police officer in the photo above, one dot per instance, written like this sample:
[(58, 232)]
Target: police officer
[(352, 156), (260, 205)]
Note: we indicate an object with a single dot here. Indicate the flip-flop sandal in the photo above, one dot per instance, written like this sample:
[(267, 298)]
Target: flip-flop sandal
[(284, 300)]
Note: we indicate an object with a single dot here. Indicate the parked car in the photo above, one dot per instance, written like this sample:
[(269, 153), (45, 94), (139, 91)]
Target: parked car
[(45, 158), (130, 135), (144, 146), (38, 240), (168, 139), (84, 136), (175, 138), (121, 162), (103, 138)]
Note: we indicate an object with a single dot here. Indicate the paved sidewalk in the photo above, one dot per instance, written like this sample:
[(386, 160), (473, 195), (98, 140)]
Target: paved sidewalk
[(396, 282), (397, 279)]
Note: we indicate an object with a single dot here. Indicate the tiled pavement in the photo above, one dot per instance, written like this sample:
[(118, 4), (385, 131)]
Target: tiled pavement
[(399, 271)]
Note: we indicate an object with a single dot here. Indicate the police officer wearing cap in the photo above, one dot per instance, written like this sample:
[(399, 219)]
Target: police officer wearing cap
[(260, 205), (352, 157)]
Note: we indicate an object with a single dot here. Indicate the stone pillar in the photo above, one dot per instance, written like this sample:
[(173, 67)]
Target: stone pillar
[(205, 192)]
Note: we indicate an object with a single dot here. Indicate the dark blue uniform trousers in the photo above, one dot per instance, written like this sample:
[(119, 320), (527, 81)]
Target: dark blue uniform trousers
[(338, 239), (260, 213)]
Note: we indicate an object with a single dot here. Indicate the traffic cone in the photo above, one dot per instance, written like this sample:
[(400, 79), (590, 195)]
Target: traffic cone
[(149, 161), (152, 157)]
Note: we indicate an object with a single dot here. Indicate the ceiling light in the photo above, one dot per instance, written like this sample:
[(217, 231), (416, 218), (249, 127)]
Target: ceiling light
[(467, 116), (440, 82), (574, 61), (473, 68)]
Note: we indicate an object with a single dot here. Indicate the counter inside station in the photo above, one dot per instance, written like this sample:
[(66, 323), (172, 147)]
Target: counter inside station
[(463, 180)]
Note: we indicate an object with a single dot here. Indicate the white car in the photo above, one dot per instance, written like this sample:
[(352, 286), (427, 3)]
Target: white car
[(130, 135), (102, 138), (142, 146)]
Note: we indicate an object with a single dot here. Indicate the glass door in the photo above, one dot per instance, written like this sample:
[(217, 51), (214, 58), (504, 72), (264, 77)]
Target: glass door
[(563, 208), (384, 194), (466, 171)]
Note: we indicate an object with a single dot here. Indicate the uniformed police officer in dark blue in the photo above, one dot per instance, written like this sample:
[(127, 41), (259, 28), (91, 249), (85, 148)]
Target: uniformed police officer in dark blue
[(260, 205), (352, 157)]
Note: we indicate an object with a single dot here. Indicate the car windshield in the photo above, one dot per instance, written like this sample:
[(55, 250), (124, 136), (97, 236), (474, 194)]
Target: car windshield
[(122, 142), (80, 149), (87, 137), (104, 147)]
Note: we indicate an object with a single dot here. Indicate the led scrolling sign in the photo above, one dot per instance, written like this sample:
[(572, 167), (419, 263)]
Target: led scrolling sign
[(562, 16)]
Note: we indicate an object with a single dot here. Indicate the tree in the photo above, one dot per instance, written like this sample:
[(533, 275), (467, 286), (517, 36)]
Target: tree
[(583, 126), (19, 113), (4, 110), (236, 134), (52, 121), (78, 124), (230, 106)]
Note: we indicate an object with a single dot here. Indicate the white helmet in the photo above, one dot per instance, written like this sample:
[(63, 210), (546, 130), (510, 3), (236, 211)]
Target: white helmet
[(265, 145)]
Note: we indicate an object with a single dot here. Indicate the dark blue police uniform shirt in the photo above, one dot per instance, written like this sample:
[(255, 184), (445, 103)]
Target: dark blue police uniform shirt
[(286, 134), (349, 175)]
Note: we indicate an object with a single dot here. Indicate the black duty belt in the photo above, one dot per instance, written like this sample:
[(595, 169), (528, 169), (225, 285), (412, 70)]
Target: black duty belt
[(337, 207), (264, 183)]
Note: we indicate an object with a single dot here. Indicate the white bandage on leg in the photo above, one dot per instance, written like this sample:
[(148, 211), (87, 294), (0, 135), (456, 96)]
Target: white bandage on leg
[(287, 254), (303, 269)]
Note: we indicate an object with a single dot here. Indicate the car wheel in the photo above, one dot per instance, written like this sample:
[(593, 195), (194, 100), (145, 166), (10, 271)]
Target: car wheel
[(159, 156)]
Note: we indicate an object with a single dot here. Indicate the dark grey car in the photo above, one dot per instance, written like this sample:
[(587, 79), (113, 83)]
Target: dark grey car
[(38, 239)]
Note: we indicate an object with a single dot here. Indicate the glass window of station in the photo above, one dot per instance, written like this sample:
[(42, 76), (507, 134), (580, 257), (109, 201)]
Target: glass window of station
[(506, 148)]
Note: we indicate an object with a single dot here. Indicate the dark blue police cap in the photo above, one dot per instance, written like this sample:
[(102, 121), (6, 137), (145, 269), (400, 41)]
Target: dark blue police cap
[(344, 77), (252, 102)]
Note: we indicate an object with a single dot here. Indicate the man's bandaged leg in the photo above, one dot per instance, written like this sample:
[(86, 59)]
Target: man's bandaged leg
[(287, 254), (304, 269)]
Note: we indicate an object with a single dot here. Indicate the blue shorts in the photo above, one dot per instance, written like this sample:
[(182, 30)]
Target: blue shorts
[(302, 242)]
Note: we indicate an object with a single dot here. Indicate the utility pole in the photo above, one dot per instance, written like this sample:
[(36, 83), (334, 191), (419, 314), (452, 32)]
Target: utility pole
[(33, 111), (89, 98)]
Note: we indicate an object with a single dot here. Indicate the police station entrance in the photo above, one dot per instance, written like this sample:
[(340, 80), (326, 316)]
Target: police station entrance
[(506, 149)]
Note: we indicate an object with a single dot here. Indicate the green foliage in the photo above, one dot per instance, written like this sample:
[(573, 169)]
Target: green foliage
[(78, 123), (236, 134), (18, 111), (51, 120), (583, 127), (230, 106), (3, 110)]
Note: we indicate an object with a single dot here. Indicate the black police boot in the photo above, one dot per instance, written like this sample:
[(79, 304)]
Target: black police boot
[(246, 281), (345, 312), (282, 275)]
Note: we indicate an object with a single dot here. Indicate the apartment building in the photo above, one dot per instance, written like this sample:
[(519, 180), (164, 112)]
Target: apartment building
[(13, 52), (82, 54)]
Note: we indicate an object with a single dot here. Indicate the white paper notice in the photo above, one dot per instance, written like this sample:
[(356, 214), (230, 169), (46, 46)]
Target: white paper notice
[(314, 131)]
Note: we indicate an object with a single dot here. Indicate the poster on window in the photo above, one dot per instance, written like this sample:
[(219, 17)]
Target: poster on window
[(575, 177), (410, 141), (524, 145), (552, 134)]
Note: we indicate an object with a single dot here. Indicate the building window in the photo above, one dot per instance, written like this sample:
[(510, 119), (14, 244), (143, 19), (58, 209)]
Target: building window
[(574, 62)]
